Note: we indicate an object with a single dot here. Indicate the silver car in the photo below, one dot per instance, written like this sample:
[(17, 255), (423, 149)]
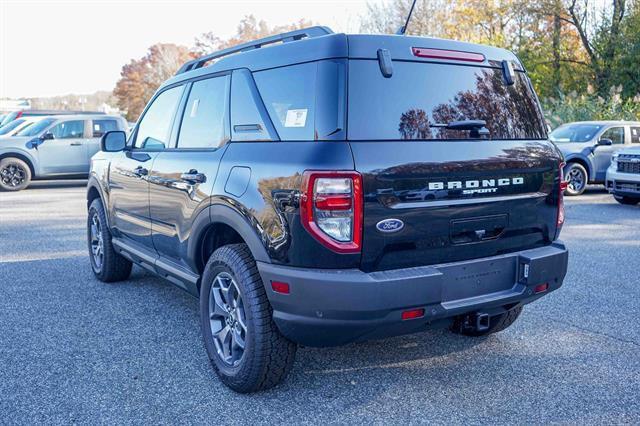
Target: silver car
[(54, 147)]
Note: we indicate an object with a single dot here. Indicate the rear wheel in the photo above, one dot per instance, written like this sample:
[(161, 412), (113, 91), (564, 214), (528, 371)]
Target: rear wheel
[(107, 265), (577, 179), (626, 200), (244, 345), (15, 174), (497, 323)]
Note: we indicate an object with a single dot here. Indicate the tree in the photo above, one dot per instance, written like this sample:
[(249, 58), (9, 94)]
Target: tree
[(140, 78), (248, 29)]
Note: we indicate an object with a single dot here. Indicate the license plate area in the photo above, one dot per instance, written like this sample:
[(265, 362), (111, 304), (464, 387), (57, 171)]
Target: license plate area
[(478, 278)]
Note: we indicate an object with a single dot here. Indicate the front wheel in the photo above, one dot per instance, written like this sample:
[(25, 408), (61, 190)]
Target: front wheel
[(627, 200), (15, 174), (107, 265), (577, 179), (244, 345)]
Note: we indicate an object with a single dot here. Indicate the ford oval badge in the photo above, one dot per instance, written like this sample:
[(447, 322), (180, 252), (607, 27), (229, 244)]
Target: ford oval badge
[(390, 225)]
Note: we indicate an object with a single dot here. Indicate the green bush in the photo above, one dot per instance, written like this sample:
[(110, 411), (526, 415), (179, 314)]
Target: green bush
[(589, 106)]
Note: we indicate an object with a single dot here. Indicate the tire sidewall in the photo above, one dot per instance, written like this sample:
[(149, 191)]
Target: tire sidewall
[(583, 171), (225, 370), (24, 166)]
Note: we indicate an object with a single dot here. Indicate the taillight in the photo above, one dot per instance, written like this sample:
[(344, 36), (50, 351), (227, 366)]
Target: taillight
[(456, 55), (562, 188), (331, 209)]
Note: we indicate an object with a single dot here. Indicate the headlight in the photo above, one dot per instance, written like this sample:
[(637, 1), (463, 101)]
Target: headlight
[(614, 157)]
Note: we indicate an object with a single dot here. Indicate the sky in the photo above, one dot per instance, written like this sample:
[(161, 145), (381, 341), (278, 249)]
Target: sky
[(50, 48)]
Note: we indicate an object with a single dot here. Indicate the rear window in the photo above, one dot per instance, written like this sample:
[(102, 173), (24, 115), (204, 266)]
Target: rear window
[(419, 99)]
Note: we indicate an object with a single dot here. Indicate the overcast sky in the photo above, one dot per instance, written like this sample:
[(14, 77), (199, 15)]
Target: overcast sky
[(59, 47)]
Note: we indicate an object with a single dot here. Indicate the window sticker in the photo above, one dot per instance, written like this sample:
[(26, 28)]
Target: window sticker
[(194, 108), (96, 127), (296, 118)]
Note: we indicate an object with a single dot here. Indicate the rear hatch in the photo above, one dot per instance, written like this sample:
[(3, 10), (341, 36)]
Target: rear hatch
[(436, 191)]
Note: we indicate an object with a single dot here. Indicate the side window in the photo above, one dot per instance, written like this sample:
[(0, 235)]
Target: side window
[(155, 127), (100, 127), (246, 120), (68, 130), (204, 123), (635, 135), (616, 134), (289, 96)]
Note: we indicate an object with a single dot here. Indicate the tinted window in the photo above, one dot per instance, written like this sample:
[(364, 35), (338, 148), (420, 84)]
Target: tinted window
[(100, 127), (246, 121), (68, 130), (37, 128), (9, 127), (616, 134), (635, 135), (204, 119), (155, 127), (289, 96), (574, 133), (421, 98)]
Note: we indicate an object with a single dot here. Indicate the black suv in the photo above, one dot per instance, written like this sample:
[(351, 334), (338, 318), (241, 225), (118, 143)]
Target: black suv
[(332, 188)]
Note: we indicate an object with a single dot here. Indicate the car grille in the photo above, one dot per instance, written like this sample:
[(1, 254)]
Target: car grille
[(627, 186), (628, 163)]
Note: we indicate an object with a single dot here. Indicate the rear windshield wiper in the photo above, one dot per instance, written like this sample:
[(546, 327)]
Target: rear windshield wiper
[(476, 127)]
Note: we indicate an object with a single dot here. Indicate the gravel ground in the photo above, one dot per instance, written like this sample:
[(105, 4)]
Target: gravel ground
[(74, 350)]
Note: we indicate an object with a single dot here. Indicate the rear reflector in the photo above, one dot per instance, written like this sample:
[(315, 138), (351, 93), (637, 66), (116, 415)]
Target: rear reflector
[(280, 287), (540, 288), (412, 314), (455, 55)]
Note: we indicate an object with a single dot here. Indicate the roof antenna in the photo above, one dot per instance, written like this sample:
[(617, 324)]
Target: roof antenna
[(403, 29)]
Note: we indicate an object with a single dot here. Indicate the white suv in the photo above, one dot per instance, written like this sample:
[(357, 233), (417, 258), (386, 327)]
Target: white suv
[(623, 176)]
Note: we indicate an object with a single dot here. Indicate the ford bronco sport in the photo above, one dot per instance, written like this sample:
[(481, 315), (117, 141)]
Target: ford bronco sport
[(333, 188)]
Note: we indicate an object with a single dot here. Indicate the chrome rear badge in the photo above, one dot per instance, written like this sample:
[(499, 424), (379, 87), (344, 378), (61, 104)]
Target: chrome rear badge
[(390, 225)]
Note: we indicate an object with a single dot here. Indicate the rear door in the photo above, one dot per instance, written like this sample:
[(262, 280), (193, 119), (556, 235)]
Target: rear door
[(99, 127), (603, 153), (182, 177), (449, 194)]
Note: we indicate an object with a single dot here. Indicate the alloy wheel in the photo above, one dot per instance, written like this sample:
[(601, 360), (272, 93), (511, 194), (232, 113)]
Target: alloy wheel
[(13, 175), (228, 319), (97, 242), (576, 180)]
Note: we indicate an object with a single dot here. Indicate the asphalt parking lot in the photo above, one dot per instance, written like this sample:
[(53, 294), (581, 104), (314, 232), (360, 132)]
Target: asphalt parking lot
[(74, 350)]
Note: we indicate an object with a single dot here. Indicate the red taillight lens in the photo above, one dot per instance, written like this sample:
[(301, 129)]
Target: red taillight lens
[(456, 55), (280, 287), (412, 314), (562, 188), (541, 288), (331, 209)]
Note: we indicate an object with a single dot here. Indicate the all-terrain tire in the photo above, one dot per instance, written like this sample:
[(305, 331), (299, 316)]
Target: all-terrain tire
[(267, 356), (112, 267), (497, 323), (15, 174)]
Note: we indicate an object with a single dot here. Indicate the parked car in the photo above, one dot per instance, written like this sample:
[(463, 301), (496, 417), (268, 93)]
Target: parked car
[(41, 113), (623, 176), (54, 147), (244, 184), (16, 126), (587, 148)]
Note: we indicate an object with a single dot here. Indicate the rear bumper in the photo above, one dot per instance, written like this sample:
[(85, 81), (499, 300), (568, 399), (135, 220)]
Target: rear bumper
[(334, 307)]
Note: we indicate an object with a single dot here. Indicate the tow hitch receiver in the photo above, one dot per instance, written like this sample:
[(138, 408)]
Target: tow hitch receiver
[(482, 322)]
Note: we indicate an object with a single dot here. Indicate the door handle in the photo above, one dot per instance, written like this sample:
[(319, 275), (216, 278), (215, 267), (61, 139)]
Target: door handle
[(140, 171), (75, 143), (192, 176)]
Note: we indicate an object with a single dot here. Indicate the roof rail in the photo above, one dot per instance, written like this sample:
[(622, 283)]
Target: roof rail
[(310, 32)]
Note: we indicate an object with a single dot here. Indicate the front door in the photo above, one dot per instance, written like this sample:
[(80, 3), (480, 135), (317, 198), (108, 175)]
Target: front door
[(604, 153), (129, 171), (182, 178), (66, 152)]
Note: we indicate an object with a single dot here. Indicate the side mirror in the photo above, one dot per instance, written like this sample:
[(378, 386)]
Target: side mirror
[(114, 141), (47, 136), (605, 142)]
